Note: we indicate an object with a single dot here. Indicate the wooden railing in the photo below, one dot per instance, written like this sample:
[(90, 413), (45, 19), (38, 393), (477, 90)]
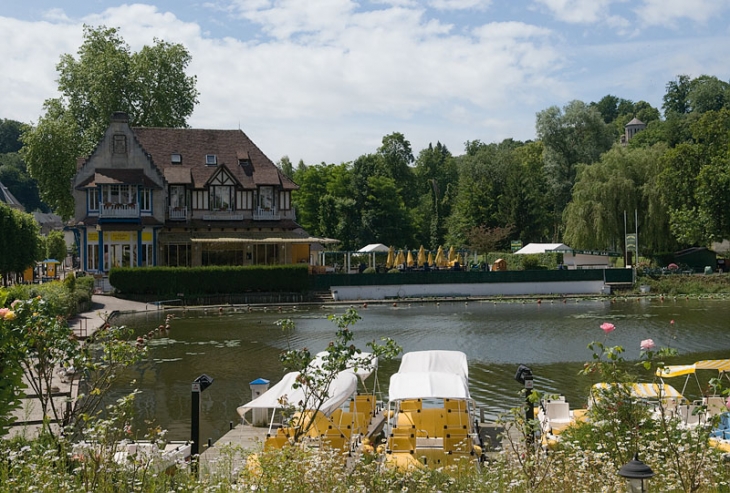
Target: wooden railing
[(109, 210)]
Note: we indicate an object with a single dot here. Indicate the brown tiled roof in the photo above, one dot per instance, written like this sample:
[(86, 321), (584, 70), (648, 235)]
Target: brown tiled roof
[(227, 145), (114, 176)]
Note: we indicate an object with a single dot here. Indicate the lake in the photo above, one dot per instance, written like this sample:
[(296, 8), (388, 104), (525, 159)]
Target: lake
[(236, 346)]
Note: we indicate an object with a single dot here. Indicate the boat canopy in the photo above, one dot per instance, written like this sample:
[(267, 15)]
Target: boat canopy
[(647, 390), (435, 361), (669, 371), (427, 385), (342, 387), (363, 364)]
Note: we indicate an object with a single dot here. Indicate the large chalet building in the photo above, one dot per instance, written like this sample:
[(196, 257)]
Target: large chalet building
[(183, 197)]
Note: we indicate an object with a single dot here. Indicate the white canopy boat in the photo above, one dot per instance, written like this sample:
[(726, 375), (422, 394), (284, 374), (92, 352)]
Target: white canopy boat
[(339, 420), (431, 413)]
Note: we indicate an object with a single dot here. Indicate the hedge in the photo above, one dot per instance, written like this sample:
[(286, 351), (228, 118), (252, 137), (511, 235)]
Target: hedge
[(163, 281)]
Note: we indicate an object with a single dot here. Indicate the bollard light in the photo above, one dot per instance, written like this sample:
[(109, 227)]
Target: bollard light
[(637, 473)]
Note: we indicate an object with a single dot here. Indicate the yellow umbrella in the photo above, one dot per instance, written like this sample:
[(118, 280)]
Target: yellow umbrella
[(421, 256), (400, 258), (410, 261), (440, 259), (452, 254), (430, 258), (391, 258)]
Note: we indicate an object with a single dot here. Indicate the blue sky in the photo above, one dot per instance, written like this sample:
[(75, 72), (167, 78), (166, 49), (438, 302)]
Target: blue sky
[(325, 80)]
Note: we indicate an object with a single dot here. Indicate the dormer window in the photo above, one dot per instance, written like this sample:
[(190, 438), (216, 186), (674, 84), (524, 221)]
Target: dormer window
[(244, 162), (176, 158), (211, 160)]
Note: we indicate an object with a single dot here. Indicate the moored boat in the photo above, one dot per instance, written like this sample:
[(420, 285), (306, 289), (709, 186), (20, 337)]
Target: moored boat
[(431, 415)]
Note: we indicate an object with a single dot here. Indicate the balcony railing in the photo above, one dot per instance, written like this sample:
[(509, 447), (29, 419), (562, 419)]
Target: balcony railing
[(227, 215), (109, 210), (177, 213), (261, 214)]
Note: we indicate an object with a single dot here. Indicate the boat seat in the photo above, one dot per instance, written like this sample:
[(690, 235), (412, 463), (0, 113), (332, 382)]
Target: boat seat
[(355, 422), (335, 441), (402, 443), (363, 404), (405, 420), (457, 419), (275, 442), (457, 443), (456, 404), (557, 411), (411, 405), (715, 405)]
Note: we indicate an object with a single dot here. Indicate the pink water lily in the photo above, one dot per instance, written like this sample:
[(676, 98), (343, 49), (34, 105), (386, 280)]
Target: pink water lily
[(607, 327), (671, 322), (647, 344)]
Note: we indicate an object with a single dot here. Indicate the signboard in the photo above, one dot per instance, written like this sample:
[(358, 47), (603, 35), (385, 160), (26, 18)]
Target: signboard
[(93, 236), (119, 236), (147, 236), (516, 245), (631, 242)]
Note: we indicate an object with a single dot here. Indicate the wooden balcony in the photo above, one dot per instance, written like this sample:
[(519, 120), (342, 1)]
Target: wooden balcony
[(118, 211), (227, 215)]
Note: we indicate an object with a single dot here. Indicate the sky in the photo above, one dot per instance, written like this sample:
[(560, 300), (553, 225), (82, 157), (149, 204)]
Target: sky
[(324, 81)]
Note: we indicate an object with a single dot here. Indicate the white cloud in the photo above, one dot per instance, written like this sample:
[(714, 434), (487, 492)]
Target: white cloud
[(578, 11), (667, 12), (460, 4)]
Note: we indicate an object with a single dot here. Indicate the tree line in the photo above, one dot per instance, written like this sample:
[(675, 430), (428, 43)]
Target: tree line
[(574, 183)]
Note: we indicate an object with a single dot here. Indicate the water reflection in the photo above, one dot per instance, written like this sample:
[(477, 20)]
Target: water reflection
[(237, 346)]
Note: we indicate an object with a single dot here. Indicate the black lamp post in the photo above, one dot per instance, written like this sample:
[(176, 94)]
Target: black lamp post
[(199, 384), (524, 376), (637, 473)]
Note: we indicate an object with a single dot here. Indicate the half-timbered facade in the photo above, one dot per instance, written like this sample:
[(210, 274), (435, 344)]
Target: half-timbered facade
[(183, 197)]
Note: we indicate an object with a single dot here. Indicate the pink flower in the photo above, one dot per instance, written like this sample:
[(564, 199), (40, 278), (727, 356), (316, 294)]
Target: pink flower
[(647, 345), (671, 322), (3, 311), (607, 327)]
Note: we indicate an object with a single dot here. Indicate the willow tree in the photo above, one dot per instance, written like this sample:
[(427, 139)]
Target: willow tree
[(151, 86), (607, 192)]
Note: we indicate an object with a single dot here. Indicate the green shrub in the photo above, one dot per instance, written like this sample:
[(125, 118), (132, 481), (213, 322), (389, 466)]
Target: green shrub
[(169, 281), (530, 262), (394, 271), (369, 270)]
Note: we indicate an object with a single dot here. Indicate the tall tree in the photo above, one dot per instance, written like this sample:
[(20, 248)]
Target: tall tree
[(676, 96), (622, 181), (150, 86), (435, 174), (575, 135), (10, 131), (695, 180), (19, 241)]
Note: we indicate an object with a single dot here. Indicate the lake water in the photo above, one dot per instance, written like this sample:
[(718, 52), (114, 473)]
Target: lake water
[(236, 347)]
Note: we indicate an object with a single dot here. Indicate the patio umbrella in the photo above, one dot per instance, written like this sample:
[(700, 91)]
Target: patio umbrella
[(400, 258), (391, 258), (440, 259), (452, 254), (430, 259), (421, 257), (410, 260)]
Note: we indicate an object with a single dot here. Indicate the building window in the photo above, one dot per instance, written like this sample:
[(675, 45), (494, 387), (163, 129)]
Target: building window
[(145, 199), (176, 158), (266, 198), (178, 255), (177, 196), (284, 200), (120, 144), (221, 198), (93, 199), (147, 258), (210, 160), (92, 257)]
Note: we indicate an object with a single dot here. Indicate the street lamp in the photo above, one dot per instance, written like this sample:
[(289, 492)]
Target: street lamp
[(524, 376), (199, 384), (637, 473)]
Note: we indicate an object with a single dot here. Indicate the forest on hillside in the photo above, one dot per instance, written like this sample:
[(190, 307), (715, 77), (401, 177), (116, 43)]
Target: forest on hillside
[(577, 183), (574, 184)]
